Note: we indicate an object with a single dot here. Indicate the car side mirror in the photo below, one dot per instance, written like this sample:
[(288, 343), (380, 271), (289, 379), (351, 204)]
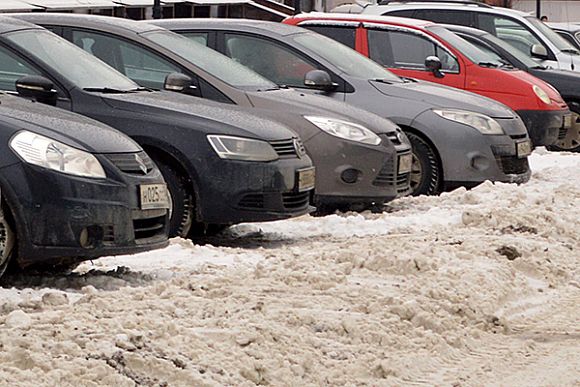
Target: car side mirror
[(180, 83), (37, 88), (320, 80), (433, 64), (539, 51)]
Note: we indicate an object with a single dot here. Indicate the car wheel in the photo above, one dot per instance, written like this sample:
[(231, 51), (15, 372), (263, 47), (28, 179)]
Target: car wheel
[(7, 239), (426, 173), (571, 142), (206, 230), (181, 201)]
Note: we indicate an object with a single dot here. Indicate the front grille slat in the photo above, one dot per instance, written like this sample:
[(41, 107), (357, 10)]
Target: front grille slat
[(133, 163), (289, 148), (512, 165), (562, 133), (295, 200), (149, 227)]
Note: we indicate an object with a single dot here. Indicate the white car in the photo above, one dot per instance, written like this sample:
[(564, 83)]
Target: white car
[(520, 29)]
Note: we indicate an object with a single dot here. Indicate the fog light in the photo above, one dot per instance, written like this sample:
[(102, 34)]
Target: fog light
[(480, 163), (350, 175), (90, 236)]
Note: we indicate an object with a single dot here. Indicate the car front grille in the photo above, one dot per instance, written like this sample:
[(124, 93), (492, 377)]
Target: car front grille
[(562, 133), (252, 201), (146, 228), (392, 136), (289, 148), (295, 200), (511, 165), (132, 163), (388, 177)]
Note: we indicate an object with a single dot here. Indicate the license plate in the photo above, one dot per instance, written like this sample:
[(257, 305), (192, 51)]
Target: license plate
[(567, 121), (405, 163), (154, 196), (523, 149), (306, 179)]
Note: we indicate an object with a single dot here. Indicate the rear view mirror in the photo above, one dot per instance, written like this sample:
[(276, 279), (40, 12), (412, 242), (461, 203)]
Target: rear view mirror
[(539, 51), (320, 80), (433, 64), (37, 88), (180, 83)]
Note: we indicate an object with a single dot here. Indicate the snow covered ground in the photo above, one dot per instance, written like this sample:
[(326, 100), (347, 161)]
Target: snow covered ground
[(471, 288)]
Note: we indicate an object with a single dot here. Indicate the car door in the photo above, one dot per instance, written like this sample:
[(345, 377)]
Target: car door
[(275, 61), (404, 52)]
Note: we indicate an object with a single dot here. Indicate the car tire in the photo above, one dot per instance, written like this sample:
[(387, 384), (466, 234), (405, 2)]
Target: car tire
[(571, 143), (181, 200), (199, 230), (7, 238), (426, 174)]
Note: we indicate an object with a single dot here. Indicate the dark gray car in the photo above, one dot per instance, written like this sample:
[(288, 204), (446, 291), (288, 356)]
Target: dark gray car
[(223, 164), (459, 138), (356, 167)]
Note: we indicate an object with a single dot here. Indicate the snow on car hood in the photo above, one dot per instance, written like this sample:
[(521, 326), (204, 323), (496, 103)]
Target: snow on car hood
[(201, 114), (69, 128), (438, 96)]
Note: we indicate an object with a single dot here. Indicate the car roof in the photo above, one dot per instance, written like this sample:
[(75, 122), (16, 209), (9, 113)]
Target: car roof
[(228, 24), (380, 9), (570, 27), (105, 23), (8, 24), (467, 30), (330, 17)]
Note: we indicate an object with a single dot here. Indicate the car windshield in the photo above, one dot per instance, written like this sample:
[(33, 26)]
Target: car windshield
[(519, 55), (346, 59), (553, 36), (214, 63), (472, 52), (77, 66)]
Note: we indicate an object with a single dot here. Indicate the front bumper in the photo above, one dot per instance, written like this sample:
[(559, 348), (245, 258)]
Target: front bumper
[(62, 217), (350, 173), (243, 191), (545, 127)]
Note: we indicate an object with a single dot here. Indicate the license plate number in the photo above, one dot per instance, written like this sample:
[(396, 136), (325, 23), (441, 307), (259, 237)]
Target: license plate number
[(567, 121), (523, 149), (405, 163), (306, 179), (154, 196)]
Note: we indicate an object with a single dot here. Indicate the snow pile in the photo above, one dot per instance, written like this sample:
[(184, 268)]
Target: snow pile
[(471, 288)]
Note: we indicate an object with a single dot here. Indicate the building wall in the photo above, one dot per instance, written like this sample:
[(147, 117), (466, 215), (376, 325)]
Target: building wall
[(556, 10)]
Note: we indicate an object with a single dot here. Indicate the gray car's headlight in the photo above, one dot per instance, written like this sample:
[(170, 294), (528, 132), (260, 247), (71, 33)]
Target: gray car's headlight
[(481, 122), (48, 153), (239, 148), (345, 129)]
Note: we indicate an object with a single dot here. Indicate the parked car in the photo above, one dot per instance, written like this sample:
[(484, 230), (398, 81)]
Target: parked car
[(566, 82), (222, 164), (424, 50), (451, 130), (520, 29), (68, 195), (373, 164), (569, 31)]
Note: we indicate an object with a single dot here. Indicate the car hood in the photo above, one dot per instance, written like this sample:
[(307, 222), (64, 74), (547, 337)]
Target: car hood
[(201, 114), (308, 104), (69, 128), (437, 96), (567, 82)]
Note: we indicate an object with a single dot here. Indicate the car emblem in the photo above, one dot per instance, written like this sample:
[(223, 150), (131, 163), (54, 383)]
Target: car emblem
[(299, 148), (141, 163)]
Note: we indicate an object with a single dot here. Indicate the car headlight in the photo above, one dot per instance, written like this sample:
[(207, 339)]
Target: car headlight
[(541, 94), (48, 153), (345, 129), (481, 122), (239, 148)]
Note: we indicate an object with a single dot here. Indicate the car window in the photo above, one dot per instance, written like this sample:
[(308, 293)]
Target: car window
[(142, 66), (269, 59), (401, 13), (11, 69), (510, 31), (569, 38), (197, 37), (344, 35), (406, 50), (461, 18)]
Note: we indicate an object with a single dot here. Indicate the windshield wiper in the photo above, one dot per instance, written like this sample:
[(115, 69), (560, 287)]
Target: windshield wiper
[(489, 64), (571, 51), (106, 90), (381, 80)]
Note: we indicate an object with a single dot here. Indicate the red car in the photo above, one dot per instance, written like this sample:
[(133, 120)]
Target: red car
[(425, 50)]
